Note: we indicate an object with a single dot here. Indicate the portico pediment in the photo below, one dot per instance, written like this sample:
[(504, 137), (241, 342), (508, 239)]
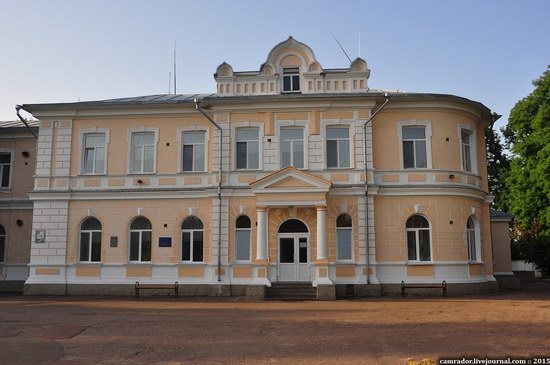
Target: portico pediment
[(290, 187)]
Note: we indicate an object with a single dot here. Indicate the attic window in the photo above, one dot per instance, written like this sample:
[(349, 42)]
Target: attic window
[(291, 80)]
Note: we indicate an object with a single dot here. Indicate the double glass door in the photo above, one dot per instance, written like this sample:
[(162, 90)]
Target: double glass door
[(293, 257)]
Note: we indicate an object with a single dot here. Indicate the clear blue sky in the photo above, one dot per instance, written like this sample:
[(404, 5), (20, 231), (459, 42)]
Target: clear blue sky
[(60, 51)]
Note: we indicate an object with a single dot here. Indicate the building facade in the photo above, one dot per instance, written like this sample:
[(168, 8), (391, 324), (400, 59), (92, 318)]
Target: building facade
[(17, 164), (263, 182)]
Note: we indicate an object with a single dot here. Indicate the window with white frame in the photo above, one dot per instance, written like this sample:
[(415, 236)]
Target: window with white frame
[(2, 242), (93, 156), (140, 240), (142, 154), (242, 238), (414, 147), (338, 147), (5, 169), (292, 147), (192, 240), (247, 148), (344, 241), (418, 239), (466, 150), (193, 151), (471, 238), (90, 240), (291, 79)]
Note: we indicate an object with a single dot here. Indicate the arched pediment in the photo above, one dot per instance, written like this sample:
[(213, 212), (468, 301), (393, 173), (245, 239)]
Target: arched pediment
[(224, 70), (290, 51), (358, 65)]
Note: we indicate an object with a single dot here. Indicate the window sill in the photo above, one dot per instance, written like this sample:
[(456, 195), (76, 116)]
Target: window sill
[(192, 172), (247, 170), (140, 262), (141, 173), (345, 262), (419, 263), (94, 174), (89, 263), (475, 262), (243, 262), (193, 263), (340, 168)]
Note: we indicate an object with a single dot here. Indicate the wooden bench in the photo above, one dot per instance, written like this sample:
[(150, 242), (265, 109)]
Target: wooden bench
[(442, 286), (173, 287)]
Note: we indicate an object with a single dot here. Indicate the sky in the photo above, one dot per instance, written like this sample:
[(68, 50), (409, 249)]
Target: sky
[(69, 50)]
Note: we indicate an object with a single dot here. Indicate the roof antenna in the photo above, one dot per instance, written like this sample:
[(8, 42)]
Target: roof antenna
[(342, 48), (359, 44), (174, 66)]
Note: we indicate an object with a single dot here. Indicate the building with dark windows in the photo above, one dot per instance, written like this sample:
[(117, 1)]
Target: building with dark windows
[(292, 174)]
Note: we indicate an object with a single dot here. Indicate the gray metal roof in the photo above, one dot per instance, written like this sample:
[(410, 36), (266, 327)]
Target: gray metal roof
[(18, 124), (498, 215)]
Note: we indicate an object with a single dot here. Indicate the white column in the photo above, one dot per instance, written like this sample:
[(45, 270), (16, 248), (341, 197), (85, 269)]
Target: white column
[(261, 234), (321, 232)]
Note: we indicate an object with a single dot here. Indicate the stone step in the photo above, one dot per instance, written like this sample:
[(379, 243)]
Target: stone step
[(291, 291)]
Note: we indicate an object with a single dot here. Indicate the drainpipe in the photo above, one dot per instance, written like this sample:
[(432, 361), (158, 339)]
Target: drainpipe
[(17, 109), (201, 110), (387, 97)]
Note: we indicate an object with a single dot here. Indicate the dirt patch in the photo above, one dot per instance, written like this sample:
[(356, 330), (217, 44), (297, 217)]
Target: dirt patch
[(384, 330)]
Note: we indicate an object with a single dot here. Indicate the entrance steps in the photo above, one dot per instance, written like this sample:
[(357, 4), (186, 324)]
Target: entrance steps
[(291, 291)]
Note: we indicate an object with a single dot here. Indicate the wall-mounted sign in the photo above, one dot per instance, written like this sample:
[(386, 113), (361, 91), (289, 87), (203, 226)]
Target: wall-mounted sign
[(114, 241), (165, 241), (40, 236)]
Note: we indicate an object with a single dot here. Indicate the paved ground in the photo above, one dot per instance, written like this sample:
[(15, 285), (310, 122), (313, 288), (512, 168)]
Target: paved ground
[(386, 330)]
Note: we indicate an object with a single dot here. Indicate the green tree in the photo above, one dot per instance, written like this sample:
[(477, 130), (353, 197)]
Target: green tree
[(498, 165), (527, 183)]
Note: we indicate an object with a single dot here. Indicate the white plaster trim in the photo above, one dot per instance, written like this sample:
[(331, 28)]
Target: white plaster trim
[(81, 134), (293, 123), (414, 122), (179, 140), (129, 133), (473, 147), (341, 123)]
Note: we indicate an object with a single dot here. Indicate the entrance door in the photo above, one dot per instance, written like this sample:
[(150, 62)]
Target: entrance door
[(293, 258)]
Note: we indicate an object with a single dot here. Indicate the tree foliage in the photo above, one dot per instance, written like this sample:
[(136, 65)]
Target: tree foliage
[(528, 137), (527, 183), (498, 165)]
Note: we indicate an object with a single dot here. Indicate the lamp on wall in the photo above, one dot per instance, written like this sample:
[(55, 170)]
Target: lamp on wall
[(19, 223), (451, 176), (25, 154)]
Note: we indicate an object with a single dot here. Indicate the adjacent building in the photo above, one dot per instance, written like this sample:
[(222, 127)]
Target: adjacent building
[(285, 174), (17, 164)]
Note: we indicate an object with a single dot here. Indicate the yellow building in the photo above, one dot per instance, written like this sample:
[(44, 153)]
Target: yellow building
[(17, 159), (131, 189)]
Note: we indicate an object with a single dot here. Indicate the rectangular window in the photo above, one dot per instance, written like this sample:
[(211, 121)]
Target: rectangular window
[(93, 161), (90, 246), (338, 147), (466, 154), (291, 80), (248, 148), (414, 147), (193, 151), (242, 245), (5, 169), (142, 152), (344, 248), (292, 147)]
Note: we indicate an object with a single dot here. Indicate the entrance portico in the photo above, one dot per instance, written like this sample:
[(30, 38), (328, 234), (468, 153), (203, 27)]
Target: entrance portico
[(282, 198)]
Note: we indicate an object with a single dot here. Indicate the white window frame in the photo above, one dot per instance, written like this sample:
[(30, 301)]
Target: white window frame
[(337, 123), (291, 75), (477, 237), (428, 129), (179, 140), (81, 135), (259, 140), (140, 231), (247, 125), (11, 164), (83, 156), (3, 248), (293, 124), (130, 134), (249, 240), (90, 234), (191, 241), (417, 239), (473, 147), (338, 259), (195, 167)]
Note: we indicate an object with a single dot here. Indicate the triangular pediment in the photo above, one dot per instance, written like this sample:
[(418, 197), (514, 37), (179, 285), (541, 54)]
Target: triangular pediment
[(291, 179)]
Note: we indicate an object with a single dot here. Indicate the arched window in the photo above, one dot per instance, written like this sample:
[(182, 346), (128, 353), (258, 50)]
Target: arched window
[(293, 226), (192, 240), (471, 238), (2, 242), (418, 239), (242, 238), (344, 246), (90, 240), (140, 239)]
